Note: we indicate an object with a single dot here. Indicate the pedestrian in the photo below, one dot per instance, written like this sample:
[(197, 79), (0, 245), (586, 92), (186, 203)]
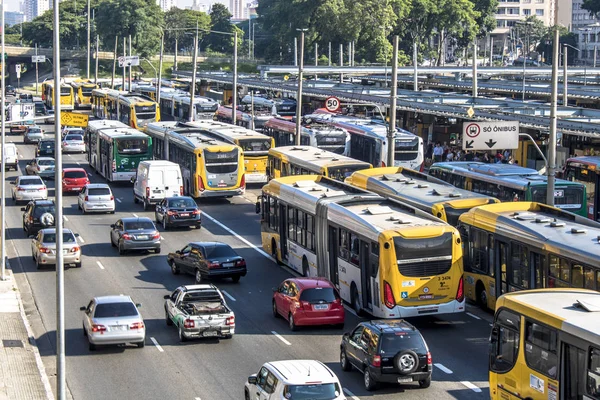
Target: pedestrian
[(486, 158), (469, 156), (438, 151), (499, 157), (450, 156)]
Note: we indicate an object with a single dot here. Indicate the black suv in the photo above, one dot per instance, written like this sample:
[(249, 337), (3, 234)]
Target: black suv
[(38, 214), (390, 351), (177, 211), (45, 148)]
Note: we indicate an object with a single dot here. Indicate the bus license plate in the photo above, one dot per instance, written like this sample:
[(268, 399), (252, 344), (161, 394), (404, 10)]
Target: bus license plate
[(425, 297)]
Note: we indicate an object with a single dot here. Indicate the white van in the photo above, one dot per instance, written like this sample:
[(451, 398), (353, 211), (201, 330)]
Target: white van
[(11, 156), (155, 180)]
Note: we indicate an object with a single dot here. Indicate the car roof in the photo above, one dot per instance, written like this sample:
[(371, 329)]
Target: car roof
[(73, 169), (43, 202), (53, 230), (178, 197), (392, 325), (311, 283), (135, 219), (113, 299), (97, 185), (208, 244), (300, 372), (203, 286), (45, 158)]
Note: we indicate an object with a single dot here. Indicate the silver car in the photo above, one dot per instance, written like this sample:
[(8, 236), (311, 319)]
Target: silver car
[(33, 134), (42, 166), (96, 197), (27, 188), (73, 143), (43, 248), (113, 320), (135, 233)]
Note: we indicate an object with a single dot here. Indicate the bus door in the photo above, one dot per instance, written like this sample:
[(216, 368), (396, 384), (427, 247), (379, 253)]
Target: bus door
[(283, 231), (538, 271), (501, 266), (573, 366), (333, 256), (365, 275)]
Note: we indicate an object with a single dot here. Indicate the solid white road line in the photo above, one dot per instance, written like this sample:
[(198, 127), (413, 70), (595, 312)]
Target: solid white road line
[(81, 239), (157, 345), (472, 315), (117, 199), (65, 218), (228, 295), (350, 394), (135, 215), (471, 386), (443, 368), (278, 336), (100, 264), (20, 155)]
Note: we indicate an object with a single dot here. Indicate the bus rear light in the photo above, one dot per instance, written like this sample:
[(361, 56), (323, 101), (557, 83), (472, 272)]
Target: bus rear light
[(200, 184), (243, 182), (376, 361), (460, 293), (388, 295), (181, 190), (114, 166)]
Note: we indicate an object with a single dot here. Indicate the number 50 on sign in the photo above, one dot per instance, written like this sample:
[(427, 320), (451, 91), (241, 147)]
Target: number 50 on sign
[(332, 104)]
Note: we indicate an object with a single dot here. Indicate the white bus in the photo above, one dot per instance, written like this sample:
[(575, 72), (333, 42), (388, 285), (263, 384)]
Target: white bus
[(175, 106)]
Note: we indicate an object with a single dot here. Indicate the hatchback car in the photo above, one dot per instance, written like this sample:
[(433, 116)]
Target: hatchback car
[(43, 248), (96, 197), (33, 134), (74, 179), (390, 351), (73, 143), (42, 166), (45, 148), (27, 188), (135, 234), (178, 211), (49, 117), (208, 260), (308, 301), (38, 214), (113, 320)]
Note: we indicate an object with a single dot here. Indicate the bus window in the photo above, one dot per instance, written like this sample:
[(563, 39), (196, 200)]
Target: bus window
[(479, 250), (354, 250), (519, 266), (537, 262), (589, 279), (577, 276), (504, 342), (593, 374), (541, 349)]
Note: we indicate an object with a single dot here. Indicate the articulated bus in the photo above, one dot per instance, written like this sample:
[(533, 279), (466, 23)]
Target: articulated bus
[(545, 344), (420, 190), (309, 160), (508, 182), (386, 258), (67, 98), (104, 105), (244, 116), (314, 134), (368, 141), (586, 170), (134, 110), (524, 245), (210, 167), (255, 145), (175, 106), (115, 152), (83, 93)]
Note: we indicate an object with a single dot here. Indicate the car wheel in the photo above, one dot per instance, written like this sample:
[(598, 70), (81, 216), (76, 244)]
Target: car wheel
[(146, 205), (482, 296), (164, 224), (156, 218), (275, 312), (157, 251), (79, 206), (182, 337), (356, 300), (235, 279), (78, 265), (425, 383), (84, 331), (339, 326), (174, 268), (135, 199), (121, 249), (292, 323), (141, 344), (111, 242), (368, 380), (92, 347), (168, 320), (228, 336), (198, 226), (198, 277), (344, 363), (246, 395), (37, 264), (83, 209)]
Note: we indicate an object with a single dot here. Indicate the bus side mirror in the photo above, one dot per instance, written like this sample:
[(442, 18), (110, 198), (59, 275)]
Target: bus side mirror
[(268, 171), (257, 207), (132, 179)]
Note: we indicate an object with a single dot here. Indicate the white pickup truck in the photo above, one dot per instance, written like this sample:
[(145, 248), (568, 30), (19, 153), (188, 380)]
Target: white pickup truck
[(199, 311)]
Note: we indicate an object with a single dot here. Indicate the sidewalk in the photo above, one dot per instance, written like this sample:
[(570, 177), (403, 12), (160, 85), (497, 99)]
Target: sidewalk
[(22, 375)]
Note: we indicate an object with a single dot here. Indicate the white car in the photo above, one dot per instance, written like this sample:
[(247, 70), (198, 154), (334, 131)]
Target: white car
[(294, 379), (73, 143), (96, 197), (27, 188), (43, 248), (72, 130)]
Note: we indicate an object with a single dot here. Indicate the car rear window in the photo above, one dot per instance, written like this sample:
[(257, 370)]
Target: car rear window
[(220, 251), (31, 181), (75, 174), (46, 144), (138, 225), (74, 137), (316, 295), (317, 391), (181, 203), (109, 310), (392, 343), (98, 191), (45, 162), (68, 237), (41, 210)]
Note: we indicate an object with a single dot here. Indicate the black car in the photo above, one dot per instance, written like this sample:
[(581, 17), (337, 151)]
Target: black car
[(10, 91), (208, 260), (40, 108), (38, 214), (177, 211), (390, 351), (45, 148)]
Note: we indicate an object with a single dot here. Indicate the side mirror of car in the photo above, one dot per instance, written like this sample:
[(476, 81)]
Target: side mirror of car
[(13, 183), (22, 208), (178, 252), (252, 379), (76, 234), (83, 308), (167, 296), (132, 179), (138, 305), (112, 226)]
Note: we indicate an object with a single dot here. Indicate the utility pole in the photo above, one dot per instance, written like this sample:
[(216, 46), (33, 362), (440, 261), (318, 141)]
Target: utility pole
[(235, 79), (475, 67), (97, 51), (341, 61), (130, 66), (329, 54), (36, 71), (3, 142), (124, 55), (415, 67), (194, 66), (88, 39), (299, 94), (295, 52), (394, 91), (160, 66), (565, 79), (175, 61), (60, 267), (551, 170), (112, 80)]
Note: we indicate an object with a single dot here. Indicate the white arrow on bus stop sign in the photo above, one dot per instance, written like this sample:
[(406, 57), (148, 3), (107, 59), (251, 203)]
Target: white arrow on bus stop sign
[(496, 135)]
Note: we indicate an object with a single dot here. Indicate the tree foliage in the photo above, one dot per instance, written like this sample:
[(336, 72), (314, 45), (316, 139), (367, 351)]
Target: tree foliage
[(177, 19), (220, 20), (593, 6), (531, 31)]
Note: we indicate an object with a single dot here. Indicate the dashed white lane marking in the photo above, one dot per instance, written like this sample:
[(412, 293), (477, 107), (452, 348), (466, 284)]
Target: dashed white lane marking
[(78, 163), (260, 251), (65, 218), (20, 155), (100, 264), (68, 155), (471, 386), (135, 215), (278, 336), (117, 199), (197, 398), (228, 295), (350, 394), (81, 239), (157, 345), (472, 315), (443, 368), (162, 238)]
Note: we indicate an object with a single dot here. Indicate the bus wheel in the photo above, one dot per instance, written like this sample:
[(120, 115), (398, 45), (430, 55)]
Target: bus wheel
[(482, 300), (305, 270), (355, 299)]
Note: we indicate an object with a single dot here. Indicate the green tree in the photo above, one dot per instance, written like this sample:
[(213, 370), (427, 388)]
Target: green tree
[(593, 6), (530, 32), (176, 19), (220, 21), (545, 46)]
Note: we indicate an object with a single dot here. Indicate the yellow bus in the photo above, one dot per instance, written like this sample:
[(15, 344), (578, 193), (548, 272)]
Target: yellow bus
[(545, 344), (67, 97), (133, 109), (420, 190), (255, 145), (386, 258), (83, 93), (525, 245), (210, 167), (307, 160)]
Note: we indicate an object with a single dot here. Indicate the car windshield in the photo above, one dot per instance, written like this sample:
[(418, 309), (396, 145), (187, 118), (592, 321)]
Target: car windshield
[(35, 130), (110, 310), (316, 295), (98, 191), (182, 203), (45, 162), (138, 225), (41, 210), (75, 174), (30, 181), (220, 251), (68, 237), (322, 391), (392, 343), (73, 137)]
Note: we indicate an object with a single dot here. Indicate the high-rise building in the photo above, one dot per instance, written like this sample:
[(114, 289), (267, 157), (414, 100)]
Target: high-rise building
[(236, 7), (34, 8), (13, 18), (166, 5)]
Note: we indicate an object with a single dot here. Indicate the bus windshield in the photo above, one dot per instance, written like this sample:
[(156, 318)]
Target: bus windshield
[(411, 249), (145, 112), (341, 173), (87, 91), (132, 146), (405, 150), (255, 145), (568, 198), (222, 162), (65, 91)]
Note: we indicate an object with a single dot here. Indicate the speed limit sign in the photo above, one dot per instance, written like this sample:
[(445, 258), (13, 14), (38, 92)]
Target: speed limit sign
[(332, 104)]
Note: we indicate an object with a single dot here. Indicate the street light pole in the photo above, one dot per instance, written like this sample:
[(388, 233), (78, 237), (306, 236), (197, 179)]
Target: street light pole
[(160, 65), (551, 170), (3, 173), (394, 91), (565, 79), (475, 89), (299, 94), (88, 39), (415, 73), (97, 50), (235, 93), (195, 64)]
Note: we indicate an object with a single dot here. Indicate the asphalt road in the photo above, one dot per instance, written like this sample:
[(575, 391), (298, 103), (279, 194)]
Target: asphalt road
[(208, 369)]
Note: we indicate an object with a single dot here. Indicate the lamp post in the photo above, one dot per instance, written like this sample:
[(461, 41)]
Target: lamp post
[(525, 55), (154, 68), (552, 141), (584, 57), (299, 94), (565, 79)]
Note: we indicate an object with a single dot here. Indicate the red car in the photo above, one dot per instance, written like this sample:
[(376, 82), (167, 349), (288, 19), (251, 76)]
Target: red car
[(74, 179), (308, 301)]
